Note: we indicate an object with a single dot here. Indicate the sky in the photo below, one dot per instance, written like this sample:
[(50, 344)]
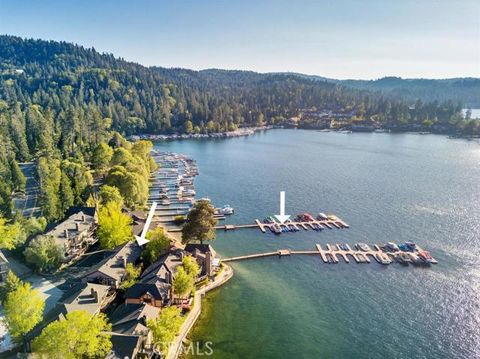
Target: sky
[(355, 39)]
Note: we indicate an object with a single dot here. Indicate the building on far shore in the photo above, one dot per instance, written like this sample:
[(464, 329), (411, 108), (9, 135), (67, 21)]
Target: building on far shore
[(76, 232)]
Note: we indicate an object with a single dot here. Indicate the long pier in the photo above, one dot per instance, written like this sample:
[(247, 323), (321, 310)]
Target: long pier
[(333, 252), (325, 224)]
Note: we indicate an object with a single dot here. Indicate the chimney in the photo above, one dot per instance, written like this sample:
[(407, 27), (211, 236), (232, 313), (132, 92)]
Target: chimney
[(66, 233), (77, 226), (208, 263), (124, 262), (83, 218), (94, 294), (167, 277)]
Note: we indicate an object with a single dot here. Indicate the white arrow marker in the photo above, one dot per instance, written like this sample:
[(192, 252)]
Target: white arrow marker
[(282, 217), (141, 240)]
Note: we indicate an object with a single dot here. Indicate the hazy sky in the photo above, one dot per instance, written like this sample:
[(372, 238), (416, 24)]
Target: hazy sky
[(337, 38)]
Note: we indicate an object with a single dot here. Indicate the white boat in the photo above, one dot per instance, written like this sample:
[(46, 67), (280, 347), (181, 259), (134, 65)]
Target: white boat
[(322, 216), (392, 246), (363, 247), (383, 258), (226, 210), (189, 192)]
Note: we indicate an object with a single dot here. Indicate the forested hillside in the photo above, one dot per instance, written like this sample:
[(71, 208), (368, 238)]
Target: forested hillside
[(459, 90), (464, 90), (59, 102)]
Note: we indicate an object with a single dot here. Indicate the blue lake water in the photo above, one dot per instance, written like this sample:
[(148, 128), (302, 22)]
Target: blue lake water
[(388, 187)]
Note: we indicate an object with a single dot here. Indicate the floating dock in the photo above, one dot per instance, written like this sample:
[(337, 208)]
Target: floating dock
[(332, 253), (326, 224)]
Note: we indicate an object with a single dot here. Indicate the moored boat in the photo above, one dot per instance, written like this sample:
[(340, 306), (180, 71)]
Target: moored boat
[(276, 229), (226, 210), (363, 247), (383, 258)]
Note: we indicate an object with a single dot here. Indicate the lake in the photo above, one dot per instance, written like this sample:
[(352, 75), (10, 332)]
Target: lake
[(388, 187)]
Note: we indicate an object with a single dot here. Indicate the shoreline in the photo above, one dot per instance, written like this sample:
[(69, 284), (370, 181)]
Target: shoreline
[(225, 274), (249, 131), (244, 131), (193, 315)]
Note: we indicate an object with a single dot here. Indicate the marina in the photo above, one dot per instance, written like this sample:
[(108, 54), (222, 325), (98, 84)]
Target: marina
[(172, 187), (278, 228), (381, 254)]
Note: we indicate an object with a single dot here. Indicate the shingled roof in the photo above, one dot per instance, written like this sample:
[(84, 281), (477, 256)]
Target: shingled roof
[(156, 279), (84, 296), (124, 346), (114, 265), (77, 220), (131, 318)]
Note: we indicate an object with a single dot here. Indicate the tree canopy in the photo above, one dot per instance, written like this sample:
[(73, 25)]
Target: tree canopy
[(183, 282), (158, 244), (109, 194), (10, 234), (44, 253), (23, 310), (200, 223), (114, 226), (80, 335), (166, 327), (191, 266)]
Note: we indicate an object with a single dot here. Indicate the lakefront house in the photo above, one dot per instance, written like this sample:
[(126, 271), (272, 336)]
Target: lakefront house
[(205, 256), (155, 284), (130, 334)]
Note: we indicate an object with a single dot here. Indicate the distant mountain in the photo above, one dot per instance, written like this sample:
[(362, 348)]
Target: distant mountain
[(465, 90), (59, 90)]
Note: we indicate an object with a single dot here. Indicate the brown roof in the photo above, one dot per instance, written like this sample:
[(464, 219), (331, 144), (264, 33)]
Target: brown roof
[(113, 266)]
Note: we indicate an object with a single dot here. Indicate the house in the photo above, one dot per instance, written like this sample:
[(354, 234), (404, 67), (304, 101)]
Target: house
[(4, 267), (205, 255), (132, 318), (125, 346), (130, 335), (112, 270), (83, 296), (138, 221), (75, 233), (154, 285), (87, 296)]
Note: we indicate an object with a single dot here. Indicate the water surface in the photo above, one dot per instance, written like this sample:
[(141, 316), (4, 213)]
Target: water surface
[(388, 187)]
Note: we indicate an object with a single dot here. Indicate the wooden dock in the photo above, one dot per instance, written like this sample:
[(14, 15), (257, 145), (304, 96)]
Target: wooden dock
[(264, 226), (332, 254), (280, 253), (330, 224)]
